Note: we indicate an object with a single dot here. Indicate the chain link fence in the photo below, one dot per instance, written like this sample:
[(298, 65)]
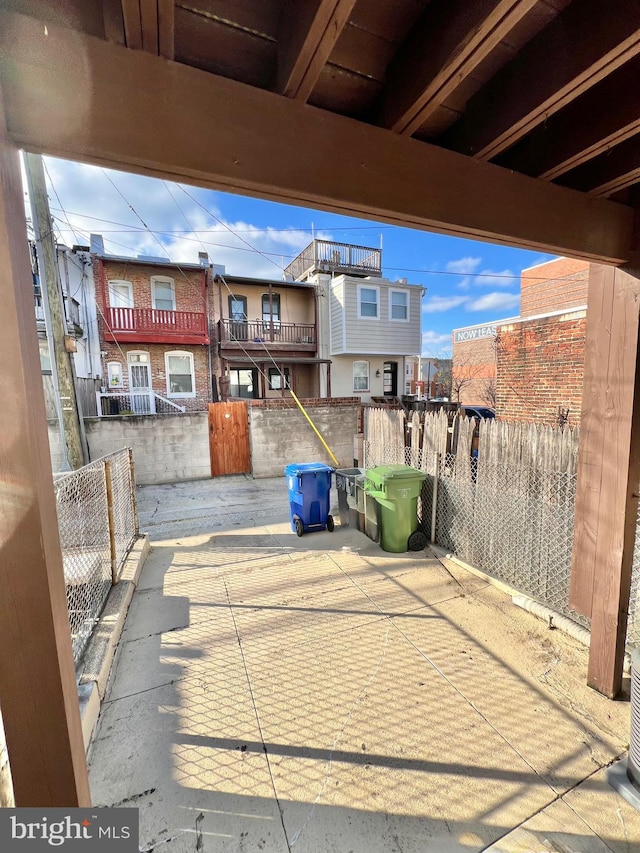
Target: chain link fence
[(512, 521), (97, 524)]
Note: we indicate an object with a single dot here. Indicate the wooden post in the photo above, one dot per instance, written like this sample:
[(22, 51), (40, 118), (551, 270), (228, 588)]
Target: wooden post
[(112, 525), (42, 226), (608, 469), (134, 499), (37, 679), (434, 502)]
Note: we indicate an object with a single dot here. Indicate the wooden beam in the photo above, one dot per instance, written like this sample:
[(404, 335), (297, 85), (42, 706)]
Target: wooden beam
[(553, 69), (608, 469), (275, 148), (308, 33), (610, 172), (166, 28), (113, 21), (132, 23), (149, 25), (584, 129), (37, 679), (451, 39)]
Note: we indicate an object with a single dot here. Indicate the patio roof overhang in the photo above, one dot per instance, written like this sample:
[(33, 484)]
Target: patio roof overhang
[(515, 121)]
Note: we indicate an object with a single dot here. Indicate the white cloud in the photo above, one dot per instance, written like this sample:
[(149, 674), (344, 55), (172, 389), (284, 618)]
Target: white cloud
[(436, 345), (181, 226), (464, 266), (490, 278), (464, 284), (437, 304), (495, 302)]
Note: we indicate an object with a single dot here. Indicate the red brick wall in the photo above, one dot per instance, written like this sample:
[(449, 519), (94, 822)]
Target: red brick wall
[(554, 286), (474, 369), (118, 353), (188, 283), (540, 368)]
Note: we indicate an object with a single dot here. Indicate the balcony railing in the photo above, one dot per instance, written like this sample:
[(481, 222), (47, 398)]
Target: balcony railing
[(247, 332), (325, 255), (128, 322)]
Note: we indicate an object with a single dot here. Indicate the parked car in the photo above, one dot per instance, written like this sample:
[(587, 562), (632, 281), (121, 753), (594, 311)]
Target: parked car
[(477, 412)]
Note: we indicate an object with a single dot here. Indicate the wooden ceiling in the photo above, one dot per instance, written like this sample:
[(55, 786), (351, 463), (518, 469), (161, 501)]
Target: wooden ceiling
[(546, 88)]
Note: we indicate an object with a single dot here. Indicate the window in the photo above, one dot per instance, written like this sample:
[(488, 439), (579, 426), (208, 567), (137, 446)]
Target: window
[(266, 312), (120, 294), (276, 382), (398, 305), (114, 374), (163, 294), (180, 374), (45, 356), (238, 309), (243, 383), (368, 298), (360, 375)]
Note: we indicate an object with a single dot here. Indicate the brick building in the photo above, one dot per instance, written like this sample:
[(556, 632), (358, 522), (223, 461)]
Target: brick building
[(529, 367), (153, 329), (540, 355), (473, 374)]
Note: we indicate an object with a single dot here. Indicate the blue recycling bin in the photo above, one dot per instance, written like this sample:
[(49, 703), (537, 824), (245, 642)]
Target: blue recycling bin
[(309, 485)]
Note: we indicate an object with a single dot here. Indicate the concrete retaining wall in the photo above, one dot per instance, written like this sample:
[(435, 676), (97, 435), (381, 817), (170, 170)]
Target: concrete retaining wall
[(280, 434), (166, 448), (172, 448)]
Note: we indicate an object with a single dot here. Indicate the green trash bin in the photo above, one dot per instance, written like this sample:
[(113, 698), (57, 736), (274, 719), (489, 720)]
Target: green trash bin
[(396, 489)]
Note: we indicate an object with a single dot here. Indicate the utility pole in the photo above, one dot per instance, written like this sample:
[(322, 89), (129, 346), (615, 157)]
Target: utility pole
[(54, 308)]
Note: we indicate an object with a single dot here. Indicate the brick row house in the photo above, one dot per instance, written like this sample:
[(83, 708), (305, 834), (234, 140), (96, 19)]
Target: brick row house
[(174, 337), (154, 333)]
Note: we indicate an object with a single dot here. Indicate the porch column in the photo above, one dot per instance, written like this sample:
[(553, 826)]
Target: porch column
[(37, 680), (608, 469)]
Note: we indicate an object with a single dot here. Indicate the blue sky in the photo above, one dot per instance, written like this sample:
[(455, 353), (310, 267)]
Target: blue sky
[(467, 281)]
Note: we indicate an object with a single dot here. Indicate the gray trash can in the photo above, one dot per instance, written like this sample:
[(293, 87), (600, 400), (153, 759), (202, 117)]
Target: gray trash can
[(350, 487)]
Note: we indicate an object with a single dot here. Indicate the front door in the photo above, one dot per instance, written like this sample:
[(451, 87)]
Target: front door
[(390, 379), (229, 438), (142, 399)]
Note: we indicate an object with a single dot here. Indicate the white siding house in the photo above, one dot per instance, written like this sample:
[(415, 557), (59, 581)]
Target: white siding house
[(367, 325)]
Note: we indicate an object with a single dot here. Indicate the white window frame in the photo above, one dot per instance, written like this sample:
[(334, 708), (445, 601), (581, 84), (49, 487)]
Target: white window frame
[(162, 279), (114, 370), (183, 394), (362, 287), (406, 294), (368, 388), (120, 281)]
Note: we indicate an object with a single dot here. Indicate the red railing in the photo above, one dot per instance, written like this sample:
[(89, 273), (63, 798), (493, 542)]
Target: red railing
[(155, 321), (241, 331)]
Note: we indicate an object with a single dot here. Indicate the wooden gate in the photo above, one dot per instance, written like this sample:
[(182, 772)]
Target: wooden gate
[(229, 438)]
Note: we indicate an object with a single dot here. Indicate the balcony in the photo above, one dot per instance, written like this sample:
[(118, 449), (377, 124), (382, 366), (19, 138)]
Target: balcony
[(338, 258), (240, 334), (153, 326)]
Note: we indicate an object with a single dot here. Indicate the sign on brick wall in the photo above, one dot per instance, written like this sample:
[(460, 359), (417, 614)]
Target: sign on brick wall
[(474, 333)]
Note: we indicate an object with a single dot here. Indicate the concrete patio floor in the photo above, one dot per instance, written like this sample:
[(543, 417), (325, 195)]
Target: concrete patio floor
[(281, 694)]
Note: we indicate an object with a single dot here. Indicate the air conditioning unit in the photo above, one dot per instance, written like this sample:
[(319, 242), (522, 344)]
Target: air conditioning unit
[(624, 775)]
